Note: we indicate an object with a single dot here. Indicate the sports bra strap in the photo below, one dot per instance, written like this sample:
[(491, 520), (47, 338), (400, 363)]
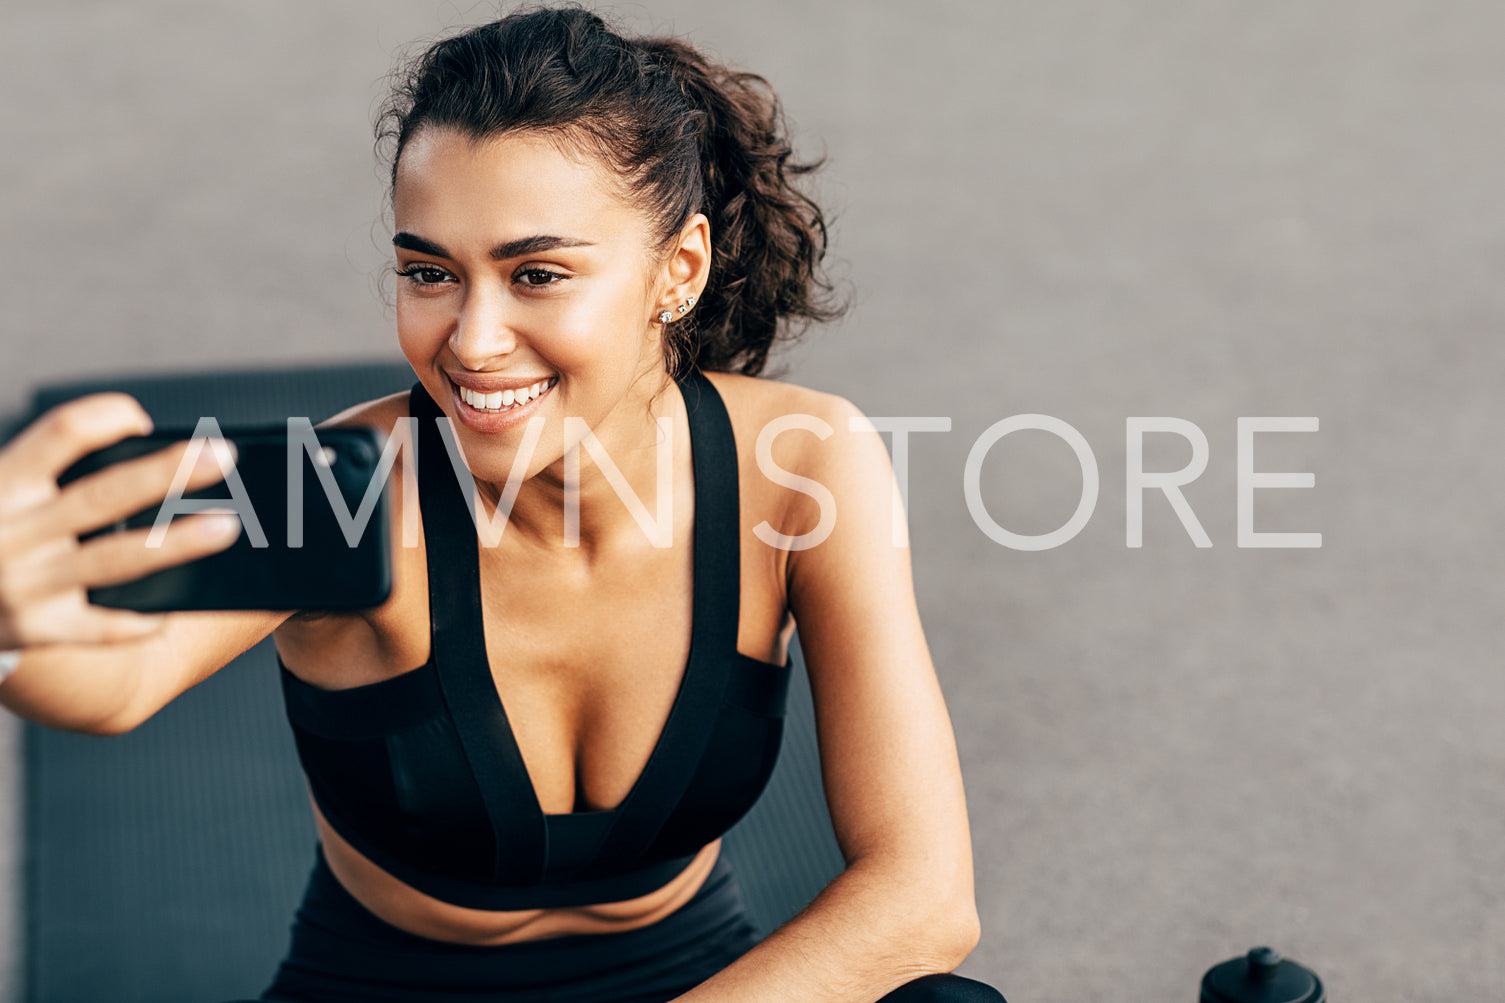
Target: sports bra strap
[(713, 636), (458, 640), (718, 550)]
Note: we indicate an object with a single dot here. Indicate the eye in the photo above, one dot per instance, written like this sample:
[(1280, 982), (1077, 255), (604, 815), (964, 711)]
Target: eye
[(423, 275), (537, 278)]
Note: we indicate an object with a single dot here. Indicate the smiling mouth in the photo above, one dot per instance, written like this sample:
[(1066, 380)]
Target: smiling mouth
[(506, 400)]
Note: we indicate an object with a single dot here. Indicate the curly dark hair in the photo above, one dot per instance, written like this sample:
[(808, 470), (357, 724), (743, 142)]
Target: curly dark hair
[(682, 133)]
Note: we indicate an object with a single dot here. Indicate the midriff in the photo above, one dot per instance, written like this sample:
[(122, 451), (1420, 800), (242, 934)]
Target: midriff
[(409, 909)]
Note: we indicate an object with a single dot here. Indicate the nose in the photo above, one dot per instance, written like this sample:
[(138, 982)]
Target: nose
[(483, 331)]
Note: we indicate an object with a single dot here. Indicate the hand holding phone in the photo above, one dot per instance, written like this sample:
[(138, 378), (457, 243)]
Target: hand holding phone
[(45, 569)]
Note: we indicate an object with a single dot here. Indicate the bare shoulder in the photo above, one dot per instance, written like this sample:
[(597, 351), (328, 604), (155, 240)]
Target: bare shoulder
[(825, 432), (380, 413), (815, 451), (753, 402)]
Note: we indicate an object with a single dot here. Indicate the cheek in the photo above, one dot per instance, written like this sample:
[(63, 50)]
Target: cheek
[(603, 329), (421, 324)]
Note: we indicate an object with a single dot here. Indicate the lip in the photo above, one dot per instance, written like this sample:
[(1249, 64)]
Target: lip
[(501, 421), (482, 385)]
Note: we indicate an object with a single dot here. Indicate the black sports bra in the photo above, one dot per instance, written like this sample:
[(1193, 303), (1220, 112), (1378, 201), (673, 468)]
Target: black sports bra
[(421, 772)]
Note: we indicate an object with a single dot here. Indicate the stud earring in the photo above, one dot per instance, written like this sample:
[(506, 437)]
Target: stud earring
[(683, 309)]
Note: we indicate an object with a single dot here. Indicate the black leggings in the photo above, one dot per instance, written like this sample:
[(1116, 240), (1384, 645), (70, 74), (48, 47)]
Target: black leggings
[(342, 953)]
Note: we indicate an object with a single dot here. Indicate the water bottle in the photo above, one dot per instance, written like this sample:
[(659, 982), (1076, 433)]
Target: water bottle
[(1261, 976)]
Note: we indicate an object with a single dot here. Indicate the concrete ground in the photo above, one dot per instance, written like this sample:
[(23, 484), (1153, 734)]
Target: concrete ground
[(1092, 212)]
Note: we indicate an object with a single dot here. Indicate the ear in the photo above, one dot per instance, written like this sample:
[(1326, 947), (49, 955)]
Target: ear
[(687, 268)]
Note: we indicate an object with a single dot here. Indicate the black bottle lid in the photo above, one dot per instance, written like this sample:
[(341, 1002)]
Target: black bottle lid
[(1261, 976)]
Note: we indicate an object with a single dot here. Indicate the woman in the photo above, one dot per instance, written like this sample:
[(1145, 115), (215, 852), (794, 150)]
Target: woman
[(597, 242)]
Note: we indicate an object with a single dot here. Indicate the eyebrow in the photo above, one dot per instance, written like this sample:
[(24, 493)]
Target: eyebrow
[(501, 252)]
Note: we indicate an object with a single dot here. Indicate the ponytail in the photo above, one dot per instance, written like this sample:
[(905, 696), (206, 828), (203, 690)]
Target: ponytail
[(768, 238)]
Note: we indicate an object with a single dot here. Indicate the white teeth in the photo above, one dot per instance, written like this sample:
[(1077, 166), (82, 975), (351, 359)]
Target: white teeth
[(504, 399)]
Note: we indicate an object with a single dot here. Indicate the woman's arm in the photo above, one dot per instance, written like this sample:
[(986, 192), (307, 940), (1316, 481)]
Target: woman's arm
[(109, 688), (83, 667), (904, 906)]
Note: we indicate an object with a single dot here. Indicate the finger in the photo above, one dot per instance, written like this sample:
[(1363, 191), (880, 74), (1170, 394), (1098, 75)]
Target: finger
[(111, 494), (64, 434), (125, 557), (125, 488)]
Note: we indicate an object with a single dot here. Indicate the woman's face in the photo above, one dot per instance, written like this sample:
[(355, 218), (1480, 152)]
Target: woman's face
[(522, 274)]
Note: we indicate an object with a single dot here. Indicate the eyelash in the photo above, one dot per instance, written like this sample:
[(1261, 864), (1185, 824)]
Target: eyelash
[(412, 272)]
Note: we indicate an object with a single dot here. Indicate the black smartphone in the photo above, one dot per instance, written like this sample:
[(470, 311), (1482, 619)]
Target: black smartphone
[(305, 543)]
